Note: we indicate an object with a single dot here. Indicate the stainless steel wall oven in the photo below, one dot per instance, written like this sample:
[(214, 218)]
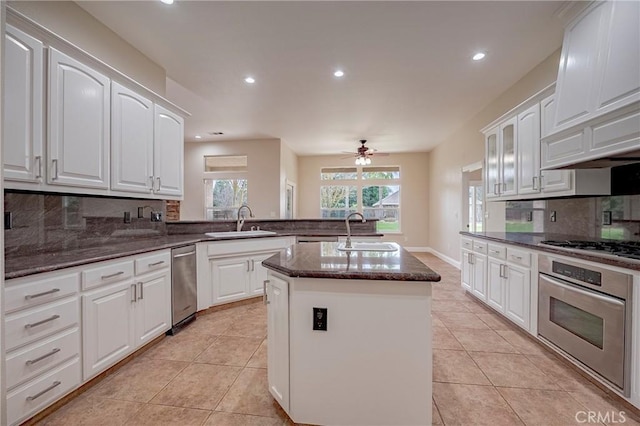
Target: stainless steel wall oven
[(586, 312)]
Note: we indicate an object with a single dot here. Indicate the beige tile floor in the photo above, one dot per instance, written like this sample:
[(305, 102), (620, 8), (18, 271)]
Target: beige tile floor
[(485, 371)]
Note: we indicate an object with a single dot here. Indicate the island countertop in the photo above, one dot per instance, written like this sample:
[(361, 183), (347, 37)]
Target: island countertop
[(324, 260)]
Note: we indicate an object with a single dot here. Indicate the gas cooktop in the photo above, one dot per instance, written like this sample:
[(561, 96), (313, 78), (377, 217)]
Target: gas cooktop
[(626, 249)]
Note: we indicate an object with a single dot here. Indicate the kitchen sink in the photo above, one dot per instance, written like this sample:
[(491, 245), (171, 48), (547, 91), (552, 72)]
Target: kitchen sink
[(369, 247), (233, 234)]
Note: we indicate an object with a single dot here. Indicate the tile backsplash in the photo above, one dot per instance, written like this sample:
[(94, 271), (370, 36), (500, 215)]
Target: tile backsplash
[(44, 222)]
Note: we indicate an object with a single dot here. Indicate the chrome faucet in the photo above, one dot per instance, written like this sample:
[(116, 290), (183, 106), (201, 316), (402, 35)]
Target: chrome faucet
[(348, 243), (240, 221)]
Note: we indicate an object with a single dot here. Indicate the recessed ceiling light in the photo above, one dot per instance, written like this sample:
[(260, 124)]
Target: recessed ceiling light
[(478, 56), (198, 137), (250, 80), (167, 1), (338, 73)]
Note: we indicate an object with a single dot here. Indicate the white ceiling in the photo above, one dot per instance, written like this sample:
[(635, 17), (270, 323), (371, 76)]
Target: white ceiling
[(409, 80)]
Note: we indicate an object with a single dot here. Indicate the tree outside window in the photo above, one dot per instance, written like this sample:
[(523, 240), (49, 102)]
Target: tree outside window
[(223, 197)]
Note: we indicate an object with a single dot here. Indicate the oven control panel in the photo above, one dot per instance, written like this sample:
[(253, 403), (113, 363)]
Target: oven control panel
[(577, 273)]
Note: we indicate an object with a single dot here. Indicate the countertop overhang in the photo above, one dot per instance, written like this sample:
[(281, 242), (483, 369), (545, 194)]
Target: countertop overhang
[(324, 260)]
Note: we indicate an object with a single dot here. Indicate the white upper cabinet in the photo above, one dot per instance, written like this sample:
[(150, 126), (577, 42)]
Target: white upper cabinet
[(528, 165), (508, 152), (493, 163), (131, 141), (79, 114), (23, 100), (168, 152)]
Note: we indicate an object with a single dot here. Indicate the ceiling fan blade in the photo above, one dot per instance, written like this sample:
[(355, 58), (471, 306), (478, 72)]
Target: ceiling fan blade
[(380, 154)]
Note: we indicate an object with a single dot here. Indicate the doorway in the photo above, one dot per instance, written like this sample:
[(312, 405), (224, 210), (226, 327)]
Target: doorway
[(473, 198)]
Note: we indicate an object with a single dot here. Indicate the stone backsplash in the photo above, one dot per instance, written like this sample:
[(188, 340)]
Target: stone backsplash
[(52, 222)]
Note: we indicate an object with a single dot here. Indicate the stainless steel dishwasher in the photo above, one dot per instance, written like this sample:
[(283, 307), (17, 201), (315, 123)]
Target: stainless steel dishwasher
[(184, 297)]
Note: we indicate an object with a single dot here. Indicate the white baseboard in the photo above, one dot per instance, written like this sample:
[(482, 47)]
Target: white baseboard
[(450, 261), (417, 249)]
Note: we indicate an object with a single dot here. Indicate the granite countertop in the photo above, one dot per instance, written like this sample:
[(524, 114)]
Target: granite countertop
[(324, 260), (20, 265), (533, 240)]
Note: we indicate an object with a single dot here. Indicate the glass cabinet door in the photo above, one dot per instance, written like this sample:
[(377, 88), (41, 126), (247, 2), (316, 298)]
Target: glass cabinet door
[(493, 164), (507, 183)]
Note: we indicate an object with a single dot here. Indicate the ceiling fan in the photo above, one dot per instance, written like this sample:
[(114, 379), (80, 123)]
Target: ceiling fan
[(363, 154)]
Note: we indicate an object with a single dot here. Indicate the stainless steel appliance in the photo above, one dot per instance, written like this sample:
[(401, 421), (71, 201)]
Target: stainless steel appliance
[(184, 299), (586, 312)]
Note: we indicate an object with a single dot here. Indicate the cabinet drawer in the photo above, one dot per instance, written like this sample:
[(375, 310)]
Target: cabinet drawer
[(31, 291), (480, 247), (107, 274), (519, 257), (497, 251), (467, 243), (30, 325), (26, 400), (30, 361), (153, 262)]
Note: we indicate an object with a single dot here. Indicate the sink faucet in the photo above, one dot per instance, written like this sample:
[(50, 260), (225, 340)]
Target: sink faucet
[(348, 243), (240, 221)]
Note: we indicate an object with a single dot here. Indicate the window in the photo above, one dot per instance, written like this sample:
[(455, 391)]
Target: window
[(225, 163), (476, 211), (372, 191), (223, 197)]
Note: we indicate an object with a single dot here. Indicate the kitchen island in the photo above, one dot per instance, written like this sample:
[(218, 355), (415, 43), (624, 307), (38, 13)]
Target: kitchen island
[(349, 335)]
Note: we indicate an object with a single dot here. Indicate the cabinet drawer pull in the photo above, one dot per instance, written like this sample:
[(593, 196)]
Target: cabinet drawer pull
[(516, 257), (134, 292), (54, 166), (44, 321), (39, 168), (141, 284), (42, 392), (44, 293), (106, 277), (152, 182), (495, 251), (40, 358), (156, 263), (264, 292), (158, 179), (533, 186)]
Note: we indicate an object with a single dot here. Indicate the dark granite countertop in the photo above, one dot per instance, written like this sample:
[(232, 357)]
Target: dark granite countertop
[(533, 240), (20, 265), (324, 260)]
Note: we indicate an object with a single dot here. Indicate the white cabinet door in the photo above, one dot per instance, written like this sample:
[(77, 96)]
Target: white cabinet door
[(23, 106), (278, 340), (578, 63), (619, 71), (79, 128), (479, 276), (153, 307), (508, 184), (495, 284), (230, 278), (168, 152), (131, 141), (518, 295), (493, 159), (107, 327), (467, 270), (528, 164), (258, 273)]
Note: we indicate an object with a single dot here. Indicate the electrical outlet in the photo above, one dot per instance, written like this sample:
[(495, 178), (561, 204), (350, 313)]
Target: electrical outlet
[(552, 218), (606, 217), (127, 217), (140, 212), (529, 216), (156, 216), (8, 220), (320, 319)]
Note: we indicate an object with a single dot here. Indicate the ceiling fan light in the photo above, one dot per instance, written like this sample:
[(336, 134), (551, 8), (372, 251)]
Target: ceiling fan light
[(367, 160)]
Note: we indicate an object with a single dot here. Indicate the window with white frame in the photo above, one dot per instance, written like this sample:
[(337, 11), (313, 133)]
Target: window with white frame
[(225, 186), (373, 191)]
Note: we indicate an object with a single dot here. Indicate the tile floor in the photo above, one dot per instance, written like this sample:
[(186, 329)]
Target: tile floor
[(485, 371)]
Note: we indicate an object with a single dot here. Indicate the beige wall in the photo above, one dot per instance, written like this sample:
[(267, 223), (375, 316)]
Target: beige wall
[(466, 146), (71, 22), (264, 175), (414, 205), (288, 174)]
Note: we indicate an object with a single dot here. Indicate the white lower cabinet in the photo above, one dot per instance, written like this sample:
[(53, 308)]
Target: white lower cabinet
[(506, 274), (230, 278), (42, 338), (278, 332), (118, 318)]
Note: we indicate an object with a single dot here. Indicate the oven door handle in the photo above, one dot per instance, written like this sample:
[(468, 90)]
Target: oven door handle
[(586, 293)]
